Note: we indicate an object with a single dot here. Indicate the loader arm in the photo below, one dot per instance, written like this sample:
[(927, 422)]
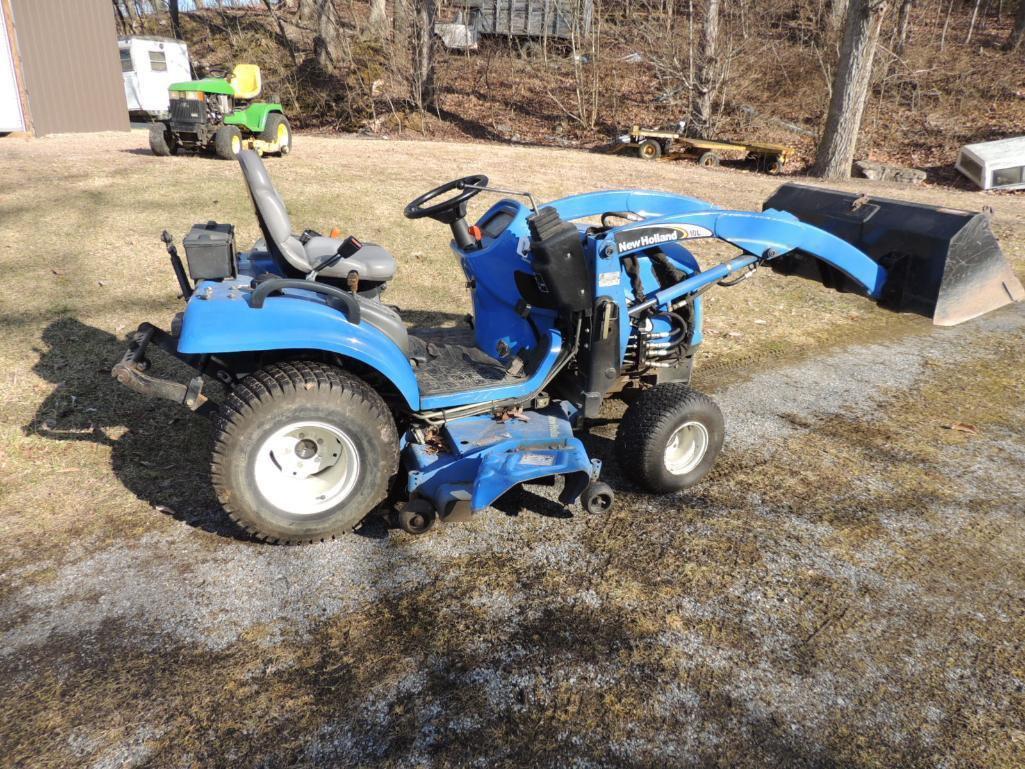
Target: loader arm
[(761, 236)]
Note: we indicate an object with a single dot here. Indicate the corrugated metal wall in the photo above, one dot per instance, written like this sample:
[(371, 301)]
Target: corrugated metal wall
[(72, 73)]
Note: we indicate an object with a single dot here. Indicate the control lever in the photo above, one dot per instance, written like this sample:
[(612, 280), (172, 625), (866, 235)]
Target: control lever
[(176, 264), (348, 247)]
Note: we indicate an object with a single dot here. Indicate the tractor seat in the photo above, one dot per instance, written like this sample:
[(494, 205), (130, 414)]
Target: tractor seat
[(245, 81), (372, 263)]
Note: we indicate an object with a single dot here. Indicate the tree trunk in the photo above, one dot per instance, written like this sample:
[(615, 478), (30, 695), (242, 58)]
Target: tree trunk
[(176, 22), (422, 51), (400, 23), (282, 33), (971, 24), (327, 46), (850, 89), (122, 25), (1018, 32), (903, 26), (200, 4), (837, 12), (707, 76), (378, 19)]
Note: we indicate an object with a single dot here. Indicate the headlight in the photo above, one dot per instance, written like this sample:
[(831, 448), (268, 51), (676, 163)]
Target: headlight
[(196, 95)]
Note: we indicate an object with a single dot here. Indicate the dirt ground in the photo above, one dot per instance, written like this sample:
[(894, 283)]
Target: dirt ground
[(845, 590)]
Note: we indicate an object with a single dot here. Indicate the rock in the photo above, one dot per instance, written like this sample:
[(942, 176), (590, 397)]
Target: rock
[(882, 172)]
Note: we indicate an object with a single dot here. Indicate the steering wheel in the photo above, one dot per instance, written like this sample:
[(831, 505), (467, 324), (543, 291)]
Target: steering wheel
[(451, 210)]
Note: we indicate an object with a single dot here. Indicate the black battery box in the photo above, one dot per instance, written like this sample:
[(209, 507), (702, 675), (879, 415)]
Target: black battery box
[(210, 251)]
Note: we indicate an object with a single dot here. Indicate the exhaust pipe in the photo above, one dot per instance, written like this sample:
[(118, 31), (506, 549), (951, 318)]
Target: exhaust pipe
[(942, 263)]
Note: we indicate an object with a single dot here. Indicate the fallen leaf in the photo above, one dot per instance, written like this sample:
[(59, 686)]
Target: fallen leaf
[(963, 427), (57, 272)]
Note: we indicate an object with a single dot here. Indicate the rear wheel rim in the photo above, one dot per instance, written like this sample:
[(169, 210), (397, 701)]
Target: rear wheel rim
[(307, 467), (282, 135), (686, 448)]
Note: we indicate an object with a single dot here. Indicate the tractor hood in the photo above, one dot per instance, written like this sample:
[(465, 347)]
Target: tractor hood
[(206, 85)]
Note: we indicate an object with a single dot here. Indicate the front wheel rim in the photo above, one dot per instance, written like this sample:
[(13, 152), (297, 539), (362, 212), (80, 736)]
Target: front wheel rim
[(236, 144), (686, 448), (307, 467)]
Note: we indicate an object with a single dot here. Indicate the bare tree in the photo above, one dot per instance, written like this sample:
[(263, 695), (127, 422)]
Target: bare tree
[(176, 22), (1018, 31), (422, 50), (283, 38), (329, 42), (837, 12), (903, 26), (706, 77), (400, 22), (850, 89), (199, 4), (378, 18), (122, 25), (971, 24)]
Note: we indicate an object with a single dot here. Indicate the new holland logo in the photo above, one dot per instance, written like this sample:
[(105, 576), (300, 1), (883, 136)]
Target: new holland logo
[(645, 237)]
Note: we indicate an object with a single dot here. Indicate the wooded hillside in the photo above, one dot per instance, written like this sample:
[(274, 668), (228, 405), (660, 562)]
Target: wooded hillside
[(939, 73)]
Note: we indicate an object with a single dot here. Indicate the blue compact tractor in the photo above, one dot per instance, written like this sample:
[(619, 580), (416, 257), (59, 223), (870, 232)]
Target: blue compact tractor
[(336, 409)]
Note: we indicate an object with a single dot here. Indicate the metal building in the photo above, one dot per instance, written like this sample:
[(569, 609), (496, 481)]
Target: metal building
[(59, 67)]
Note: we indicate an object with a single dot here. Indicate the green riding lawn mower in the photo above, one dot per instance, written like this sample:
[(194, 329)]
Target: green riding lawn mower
[(219, 114)]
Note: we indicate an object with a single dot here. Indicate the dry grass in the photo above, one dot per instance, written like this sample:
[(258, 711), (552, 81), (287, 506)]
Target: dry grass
[(846, 592)]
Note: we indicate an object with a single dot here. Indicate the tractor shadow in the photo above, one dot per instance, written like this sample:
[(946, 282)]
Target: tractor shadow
[(159, 451)]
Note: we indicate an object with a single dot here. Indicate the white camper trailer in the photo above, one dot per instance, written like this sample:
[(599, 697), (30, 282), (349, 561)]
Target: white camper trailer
[(149, 65), (998, 165)]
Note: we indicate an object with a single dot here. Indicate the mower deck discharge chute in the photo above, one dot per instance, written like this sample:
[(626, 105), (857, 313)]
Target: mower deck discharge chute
[(942, 263), (335, 405)]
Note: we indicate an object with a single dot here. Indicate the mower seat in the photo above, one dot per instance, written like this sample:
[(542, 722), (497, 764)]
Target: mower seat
[(372, 262), (245, 81)]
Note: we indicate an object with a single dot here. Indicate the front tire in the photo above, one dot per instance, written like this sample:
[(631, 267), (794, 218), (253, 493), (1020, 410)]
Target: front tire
[(161, 140), (277, 129), (303, 452), (649, 149), (670, 437), (228, 142)]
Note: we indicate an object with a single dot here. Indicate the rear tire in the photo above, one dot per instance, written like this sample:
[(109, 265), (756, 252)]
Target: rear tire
[(649, 149), (303, 452), (278, 129), (708, 159), (161, 140), (228, 142), (670, 437)]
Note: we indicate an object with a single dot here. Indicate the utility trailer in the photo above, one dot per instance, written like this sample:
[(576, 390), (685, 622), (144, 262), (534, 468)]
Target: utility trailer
[(149, 65), (997, 165), (528, 20), (670, 142)]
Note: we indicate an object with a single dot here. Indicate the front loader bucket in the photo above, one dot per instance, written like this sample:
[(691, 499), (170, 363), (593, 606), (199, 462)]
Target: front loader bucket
[(940, 262)]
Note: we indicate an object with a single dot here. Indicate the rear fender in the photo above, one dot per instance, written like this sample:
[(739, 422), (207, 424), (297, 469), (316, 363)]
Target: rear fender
[(229, 325), (253, 117)]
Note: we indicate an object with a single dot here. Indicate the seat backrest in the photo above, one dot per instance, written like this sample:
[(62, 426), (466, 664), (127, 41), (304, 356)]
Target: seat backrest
[(271, 212), (245, 81)]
